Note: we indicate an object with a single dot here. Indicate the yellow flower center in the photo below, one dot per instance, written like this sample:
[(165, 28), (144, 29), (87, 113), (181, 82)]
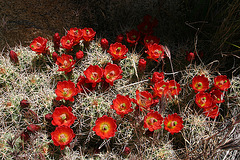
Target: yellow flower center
[(63, 116), (63, 138)]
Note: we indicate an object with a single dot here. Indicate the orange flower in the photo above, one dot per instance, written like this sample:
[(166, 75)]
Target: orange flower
[(65, 63), (200, 83), (93, 74), (112, 72), (133, 36), (160, 89), (153, 121), (144, 99), (203, 100), (173, 87), (62, 116), (67, 42), (221, 82), (105, 127), (88, 34), (76, 34), (150, 40), (212, 111), (155, 52), (66, 90), (117, 51), (173, 123), (62, 136), (39, 45), (122, 105)]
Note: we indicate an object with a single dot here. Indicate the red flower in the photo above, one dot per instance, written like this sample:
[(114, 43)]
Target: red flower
[(105, 127), (155, 51), (62, 136), (217, 96), (93, 74), (133, 36), (112, 72), (190, 56), (119, 38), (88, 34), (203, 100), (150, 40), (66, 90), (33, 128), (144, 99), (39, 45), (56, 41), (117, 51), (13, 57), (221, 82), (173, 87), (55, 56), (67, 42), (122, 105), (212, 111), (142, 65), (62, 116), (200, 83), (79, 55), (157, 77), (65, 63), (104, 44), (48, 117), (161, 89), (173, 123), (75, 34), (153, 121)]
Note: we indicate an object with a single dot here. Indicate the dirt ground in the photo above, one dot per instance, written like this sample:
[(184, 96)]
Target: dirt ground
[(22, 20)]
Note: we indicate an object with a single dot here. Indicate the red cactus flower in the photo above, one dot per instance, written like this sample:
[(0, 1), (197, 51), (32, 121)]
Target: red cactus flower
[(63, 116), (119, 38), (33, 128), (122, 105), (173, 87), (104, 44), (67, 42), (144, 99), (48, 117), (93, 74), (222, 82), (88, 34), (142, 65), (39, 45), (133, 37), (150, 40), (13, 57), (112, 72), (203, 100), (62, 136), (65, 63), (79, 55), (153, 121), (212, 111), (76, 34), (55, 56), (200, 83), (105, 127), (217, 96), (117, 51), (155, 52), (157, 77), (66, 90), (56, 41), (161, 89), (173, 123)]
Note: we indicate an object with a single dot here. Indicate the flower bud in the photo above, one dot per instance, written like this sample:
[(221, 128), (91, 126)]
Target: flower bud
[(157, 77), (127, 150), (48, 117), (104, 44), (24, 136), (56, 41), (79, 55), (24, 103), (190, 56), (33, 128), (13, 56), (142, 65), (54, 56)]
